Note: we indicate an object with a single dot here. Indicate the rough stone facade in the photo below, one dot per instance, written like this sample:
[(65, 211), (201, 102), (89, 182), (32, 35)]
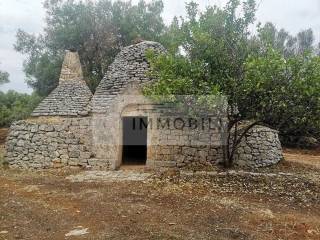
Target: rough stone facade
[(70, 128), (45, 144), (261, 147), (183, 147)]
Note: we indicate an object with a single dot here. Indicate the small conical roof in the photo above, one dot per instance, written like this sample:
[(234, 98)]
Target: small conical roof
[(72, 96)]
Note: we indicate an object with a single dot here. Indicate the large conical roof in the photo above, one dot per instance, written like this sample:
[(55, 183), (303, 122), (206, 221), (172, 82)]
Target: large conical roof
[(129, 66), (72, 96)]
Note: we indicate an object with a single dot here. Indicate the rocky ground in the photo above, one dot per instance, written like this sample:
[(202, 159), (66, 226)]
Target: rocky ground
[(279, 203), (282, 202)]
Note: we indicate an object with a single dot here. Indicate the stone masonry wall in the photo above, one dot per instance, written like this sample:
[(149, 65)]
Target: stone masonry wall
[(185, 148), (67, 142), (51, 143), (63, 133), (260, 148), (185, 157)]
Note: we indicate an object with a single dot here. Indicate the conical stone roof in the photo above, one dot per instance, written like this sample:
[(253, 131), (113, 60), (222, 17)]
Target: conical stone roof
[(72, 96), (129, 66)]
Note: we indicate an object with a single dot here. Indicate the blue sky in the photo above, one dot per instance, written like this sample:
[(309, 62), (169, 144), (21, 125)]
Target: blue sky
[(29, 15)]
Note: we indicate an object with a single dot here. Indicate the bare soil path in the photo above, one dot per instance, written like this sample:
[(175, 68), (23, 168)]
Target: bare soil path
[(48, 205)]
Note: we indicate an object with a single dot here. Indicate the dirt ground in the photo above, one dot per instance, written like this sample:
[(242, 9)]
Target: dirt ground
[(3, 135), (282, 202), (309, 157)]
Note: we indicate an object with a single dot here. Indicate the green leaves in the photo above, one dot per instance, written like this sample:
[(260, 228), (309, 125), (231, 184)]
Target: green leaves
[(270, 37), (15, 106), (177, 75), (207, 56), (285, 91), (4, 77)]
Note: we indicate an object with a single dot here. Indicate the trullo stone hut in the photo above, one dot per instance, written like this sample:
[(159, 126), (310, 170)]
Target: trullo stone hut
[(72, 127)]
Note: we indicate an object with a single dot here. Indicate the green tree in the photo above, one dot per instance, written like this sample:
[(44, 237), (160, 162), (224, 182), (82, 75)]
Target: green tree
[(305, 41), (97, 29), (269, 36), (16, 106), (4, 77), (283, 93), (215, 45), (172, 38), (264, 83)]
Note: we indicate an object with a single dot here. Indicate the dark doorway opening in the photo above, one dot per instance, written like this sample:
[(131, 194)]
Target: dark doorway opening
[(134, 140)]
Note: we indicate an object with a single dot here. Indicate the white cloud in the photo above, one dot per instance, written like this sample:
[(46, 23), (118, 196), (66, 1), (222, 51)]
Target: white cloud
[(15, 14), (291, 15)]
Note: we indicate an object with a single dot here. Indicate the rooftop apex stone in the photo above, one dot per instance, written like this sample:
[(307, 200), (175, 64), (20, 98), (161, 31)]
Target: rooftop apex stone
[(71, 67)]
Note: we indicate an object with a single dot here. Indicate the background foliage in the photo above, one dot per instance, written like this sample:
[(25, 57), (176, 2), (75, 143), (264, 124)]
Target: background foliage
[(15, 106), (4, 77)]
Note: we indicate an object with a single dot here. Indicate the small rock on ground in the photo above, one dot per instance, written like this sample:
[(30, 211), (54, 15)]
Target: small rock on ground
[(79, 231)]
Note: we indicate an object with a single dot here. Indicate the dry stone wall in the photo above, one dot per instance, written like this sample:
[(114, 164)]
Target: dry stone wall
[(185, 157), (185, 147), (67, 142), (54, 143), (261, 147)]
